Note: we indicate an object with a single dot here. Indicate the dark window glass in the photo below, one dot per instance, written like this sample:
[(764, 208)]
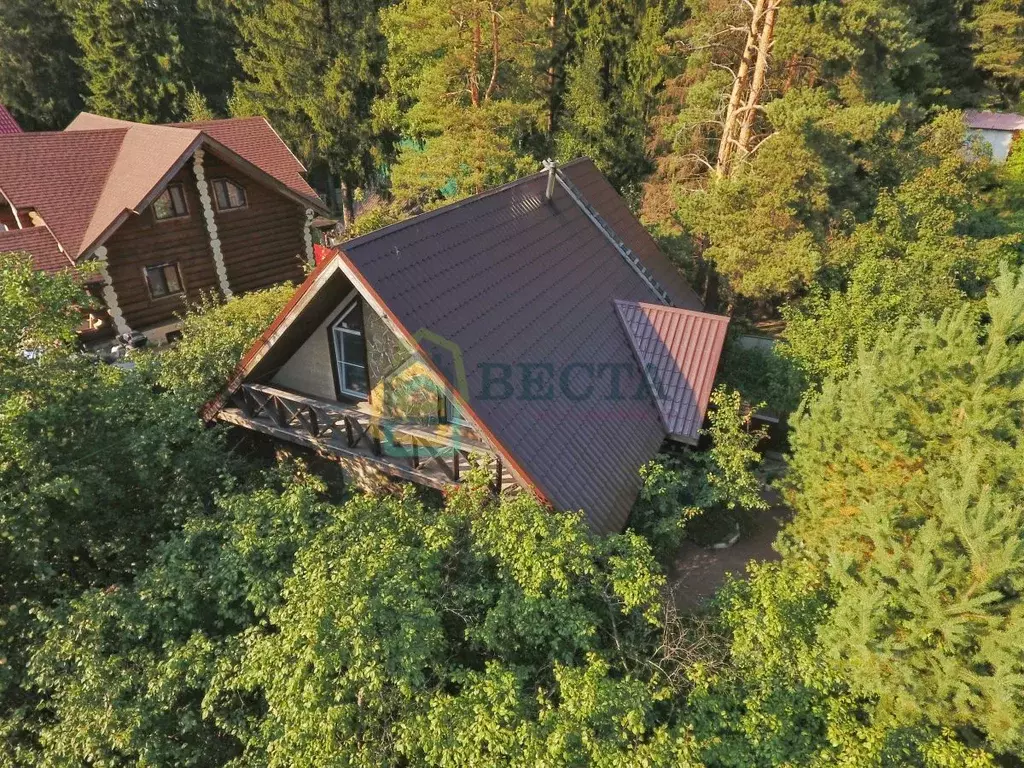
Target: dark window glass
[(171, 204), (163, 280), (229, 195), (455, 414)]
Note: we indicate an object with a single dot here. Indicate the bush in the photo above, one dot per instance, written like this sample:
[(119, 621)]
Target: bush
[(703, 495), (214, 336)]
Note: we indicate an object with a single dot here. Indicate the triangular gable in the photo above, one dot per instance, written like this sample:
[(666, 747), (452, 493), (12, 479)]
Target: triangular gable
[(317, 301), (679, 351)]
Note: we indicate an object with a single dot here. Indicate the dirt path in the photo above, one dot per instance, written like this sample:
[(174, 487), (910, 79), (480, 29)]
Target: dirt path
[(698, 572)]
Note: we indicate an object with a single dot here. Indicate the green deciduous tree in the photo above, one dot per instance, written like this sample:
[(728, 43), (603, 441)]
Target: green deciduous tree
[(214, 335), (95, 468)]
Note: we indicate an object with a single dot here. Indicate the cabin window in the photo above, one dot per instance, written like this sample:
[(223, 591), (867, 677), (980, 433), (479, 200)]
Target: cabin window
[(163, 280), (453, 414), (350, 351), (228, 195), (171, 204)]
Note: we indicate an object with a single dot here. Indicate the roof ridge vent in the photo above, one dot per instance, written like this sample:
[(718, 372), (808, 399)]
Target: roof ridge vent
[(554, 172)]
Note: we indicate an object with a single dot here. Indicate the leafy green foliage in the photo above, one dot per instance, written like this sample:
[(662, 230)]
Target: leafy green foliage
[(95, 467), (214, 336), (372, 632), (761, 374), (463, 88), (702, 494)]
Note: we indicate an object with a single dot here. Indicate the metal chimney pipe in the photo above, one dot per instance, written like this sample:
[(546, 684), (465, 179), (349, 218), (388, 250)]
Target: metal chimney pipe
[(550, 166)]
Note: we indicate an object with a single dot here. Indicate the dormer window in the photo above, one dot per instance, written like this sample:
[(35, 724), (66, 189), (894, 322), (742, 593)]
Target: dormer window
[(171, 204), (229, 196), (350, 351)]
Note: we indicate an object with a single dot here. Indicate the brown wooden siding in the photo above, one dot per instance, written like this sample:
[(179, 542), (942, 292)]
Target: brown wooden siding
[(263, 243), (142, 241)]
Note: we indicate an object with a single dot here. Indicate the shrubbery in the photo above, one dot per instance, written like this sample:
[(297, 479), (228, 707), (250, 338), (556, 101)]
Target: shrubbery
[(214, 337)]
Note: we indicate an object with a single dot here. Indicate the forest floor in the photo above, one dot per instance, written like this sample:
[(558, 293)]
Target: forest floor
[(697, 572)]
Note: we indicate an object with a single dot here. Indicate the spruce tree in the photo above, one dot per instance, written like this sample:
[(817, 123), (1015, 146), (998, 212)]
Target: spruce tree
[(314, 69), (908, 481), (40, 79)]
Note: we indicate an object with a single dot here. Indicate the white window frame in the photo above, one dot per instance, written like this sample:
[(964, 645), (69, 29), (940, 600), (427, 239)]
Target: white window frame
[(451, 411), (216, 197), (351, 302)]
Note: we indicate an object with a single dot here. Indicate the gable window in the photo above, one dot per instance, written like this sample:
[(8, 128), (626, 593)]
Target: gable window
[(171, 204), (453, 414), (228, 195), (163, 280), (350, 351)]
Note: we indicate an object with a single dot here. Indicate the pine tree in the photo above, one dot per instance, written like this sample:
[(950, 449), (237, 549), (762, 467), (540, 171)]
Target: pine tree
[(40, 79), (909, 488), (998, 27), (314, 69), (466, 91)]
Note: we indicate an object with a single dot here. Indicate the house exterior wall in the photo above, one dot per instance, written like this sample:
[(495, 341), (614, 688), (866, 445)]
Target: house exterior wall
[(310, 370), (1000, 141), (401, 387), (143, 241), (261, 244)]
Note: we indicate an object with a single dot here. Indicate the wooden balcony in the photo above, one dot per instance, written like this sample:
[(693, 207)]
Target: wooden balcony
[(432, 455)]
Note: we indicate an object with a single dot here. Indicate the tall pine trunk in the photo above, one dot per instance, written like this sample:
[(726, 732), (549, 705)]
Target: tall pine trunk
[(753, 102), (729, 127)]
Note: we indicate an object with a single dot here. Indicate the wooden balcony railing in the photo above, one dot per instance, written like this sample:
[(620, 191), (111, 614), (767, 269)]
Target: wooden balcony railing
[(432, 455)]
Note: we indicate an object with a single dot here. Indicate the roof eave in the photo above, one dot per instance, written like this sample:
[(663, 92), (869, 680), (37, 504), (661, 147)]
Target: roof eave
[(233, 158)]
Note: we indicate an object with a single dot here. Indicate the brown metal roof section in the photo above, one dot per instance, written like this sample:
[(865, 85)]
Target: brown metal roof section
[(679, 351), (525, 286), (518, 284)]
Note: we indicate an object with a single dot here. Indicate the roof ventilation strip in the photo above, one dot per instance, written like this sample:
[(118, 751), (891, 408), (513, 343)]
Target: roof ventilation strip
[(606, 229)]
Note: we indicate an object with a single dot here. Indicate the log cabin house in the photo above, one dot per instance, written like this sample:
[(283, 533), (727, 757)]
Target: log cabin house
[(166, 212), (534, 330)]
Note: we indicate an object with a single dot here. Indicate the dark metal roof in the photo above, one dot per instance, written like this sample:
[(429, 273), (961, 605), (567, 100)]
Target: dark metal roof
[(679, 351), (525, 289), (994, 121)]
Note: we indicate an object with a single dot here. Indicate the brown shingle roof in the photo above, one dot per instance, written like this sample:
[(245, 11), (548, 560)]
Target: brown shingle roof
[(83, 181), (679, 350), (61, 175), (7, 122), (37, 241), (254, 139)]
